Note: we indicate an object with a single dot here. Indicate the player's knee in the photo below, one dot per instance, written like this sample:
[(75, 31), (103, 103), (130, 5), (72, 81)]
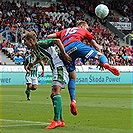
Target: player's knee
[(56, 90), (98, 55), (34, 87), (72, 75), (28, 86), (103, 59)]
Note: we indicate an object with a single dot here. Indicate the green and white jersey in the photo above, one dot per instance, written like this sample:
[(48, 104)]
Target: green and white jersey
[(34, 69), (46, 49)]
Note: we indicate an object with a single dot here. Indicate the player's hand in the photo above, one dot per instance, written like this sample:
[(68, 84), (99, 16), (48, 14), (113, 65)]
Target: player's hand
[(30, 65), (28, 71), (67, 58), (100, 66), (42, 74)]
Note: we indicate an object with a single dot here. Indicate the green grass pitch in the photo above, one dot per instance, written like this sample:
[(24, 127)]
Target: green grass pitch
[(101, 109)]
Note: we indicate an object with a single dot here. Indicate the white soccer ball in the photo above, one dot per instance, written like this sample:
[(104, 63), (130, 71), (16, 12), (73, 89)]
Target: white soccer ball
[(102, 11)]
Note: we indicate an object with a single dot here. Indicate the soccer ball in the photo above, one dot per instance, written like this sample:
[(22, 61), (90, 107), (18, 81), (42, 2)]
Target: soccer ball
[(101, 11)]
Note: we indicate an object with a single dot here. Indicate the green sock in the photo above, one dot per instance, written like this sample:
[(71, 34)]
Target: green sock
[(61, 113), (57, 103)]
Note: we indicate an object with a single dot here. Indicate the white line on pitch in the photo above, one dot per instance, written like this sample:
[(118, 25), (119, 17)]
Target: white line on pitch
[(23, 121)]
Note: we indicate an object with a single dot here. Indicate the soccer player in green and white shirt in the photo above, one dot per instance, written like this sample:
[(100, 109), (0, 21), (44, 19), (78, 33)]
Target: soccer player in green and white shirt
[(32, 74), (44, 49)]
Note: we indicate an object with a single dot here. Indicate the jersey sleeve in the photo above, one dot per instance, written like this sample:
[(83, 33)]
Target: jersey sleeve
[(89, 36), (46, 43), (58, 34)]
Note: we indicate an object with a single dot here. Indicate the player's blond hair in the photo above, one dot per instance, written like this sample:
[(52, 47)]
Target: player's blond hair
[(79, 23), (30, 34)]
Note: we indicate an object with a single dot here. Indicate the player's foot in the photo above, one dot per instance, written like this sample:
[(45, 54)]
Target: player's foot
[(28, 98), (73, 108), (111, 69), (62, 124), (55, 124)]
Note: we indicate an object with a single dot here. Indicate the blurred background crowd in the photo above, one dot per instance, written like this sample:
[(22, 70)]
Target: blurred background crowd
[(52, 16)]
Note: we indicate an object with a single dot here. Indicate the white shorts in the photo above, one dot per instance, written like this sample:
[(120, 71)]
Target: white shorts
[(61, 84), (33, 81)]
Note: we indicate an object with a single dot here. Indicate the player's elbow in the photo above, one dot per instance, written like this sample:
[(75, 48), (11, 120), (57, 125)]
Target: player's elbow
[(56, 40), (51, 35)]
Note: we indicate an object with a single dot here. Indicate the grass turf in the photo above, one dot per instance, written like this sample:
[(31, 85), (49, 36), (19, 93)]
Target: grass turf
[(101, 109)]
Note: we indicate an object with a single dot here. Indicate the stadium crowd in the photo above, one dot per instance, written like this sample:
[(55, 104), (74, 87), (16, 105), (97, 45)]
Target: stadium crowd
[(16, 17), (124, 7)]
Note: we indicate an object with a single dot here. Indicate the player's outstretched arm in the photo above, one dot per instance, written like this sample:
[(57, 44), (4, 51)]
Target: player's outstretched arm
[(95, 45), (60, 45), (53, 35), (26, 69), (42, 65)]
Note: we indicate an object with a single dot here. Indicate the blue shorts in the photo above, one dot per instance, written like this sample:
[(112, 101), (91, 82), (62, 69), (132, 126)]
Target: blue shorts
[(79, 50)]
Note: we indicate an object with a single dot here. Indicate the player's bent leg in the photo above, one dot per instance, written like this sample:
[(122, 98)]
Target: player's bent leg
[(103, 59), (33, 87), (27, 92)]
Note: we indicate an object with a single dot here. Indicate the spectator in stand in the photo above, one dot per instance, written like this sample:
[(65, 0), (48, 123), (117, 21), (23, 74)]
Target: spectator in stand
[(131, 35), (21, 49), (111, 15), (4, 46), (9, 18), (79, 62), (127, 59), (10, 51), (121, 55), (0, 16), (111, 58), (18, 59), (47, 25), (106, 33), (125, 19), (116, 39)]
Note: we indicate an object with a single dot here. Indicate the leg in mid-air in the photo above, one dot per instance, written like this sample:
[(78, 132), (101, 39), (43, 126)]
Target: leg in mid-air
[(104, 63), (87, 52), (31, 84), (27, 92), (28, 88), (72, 89)]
